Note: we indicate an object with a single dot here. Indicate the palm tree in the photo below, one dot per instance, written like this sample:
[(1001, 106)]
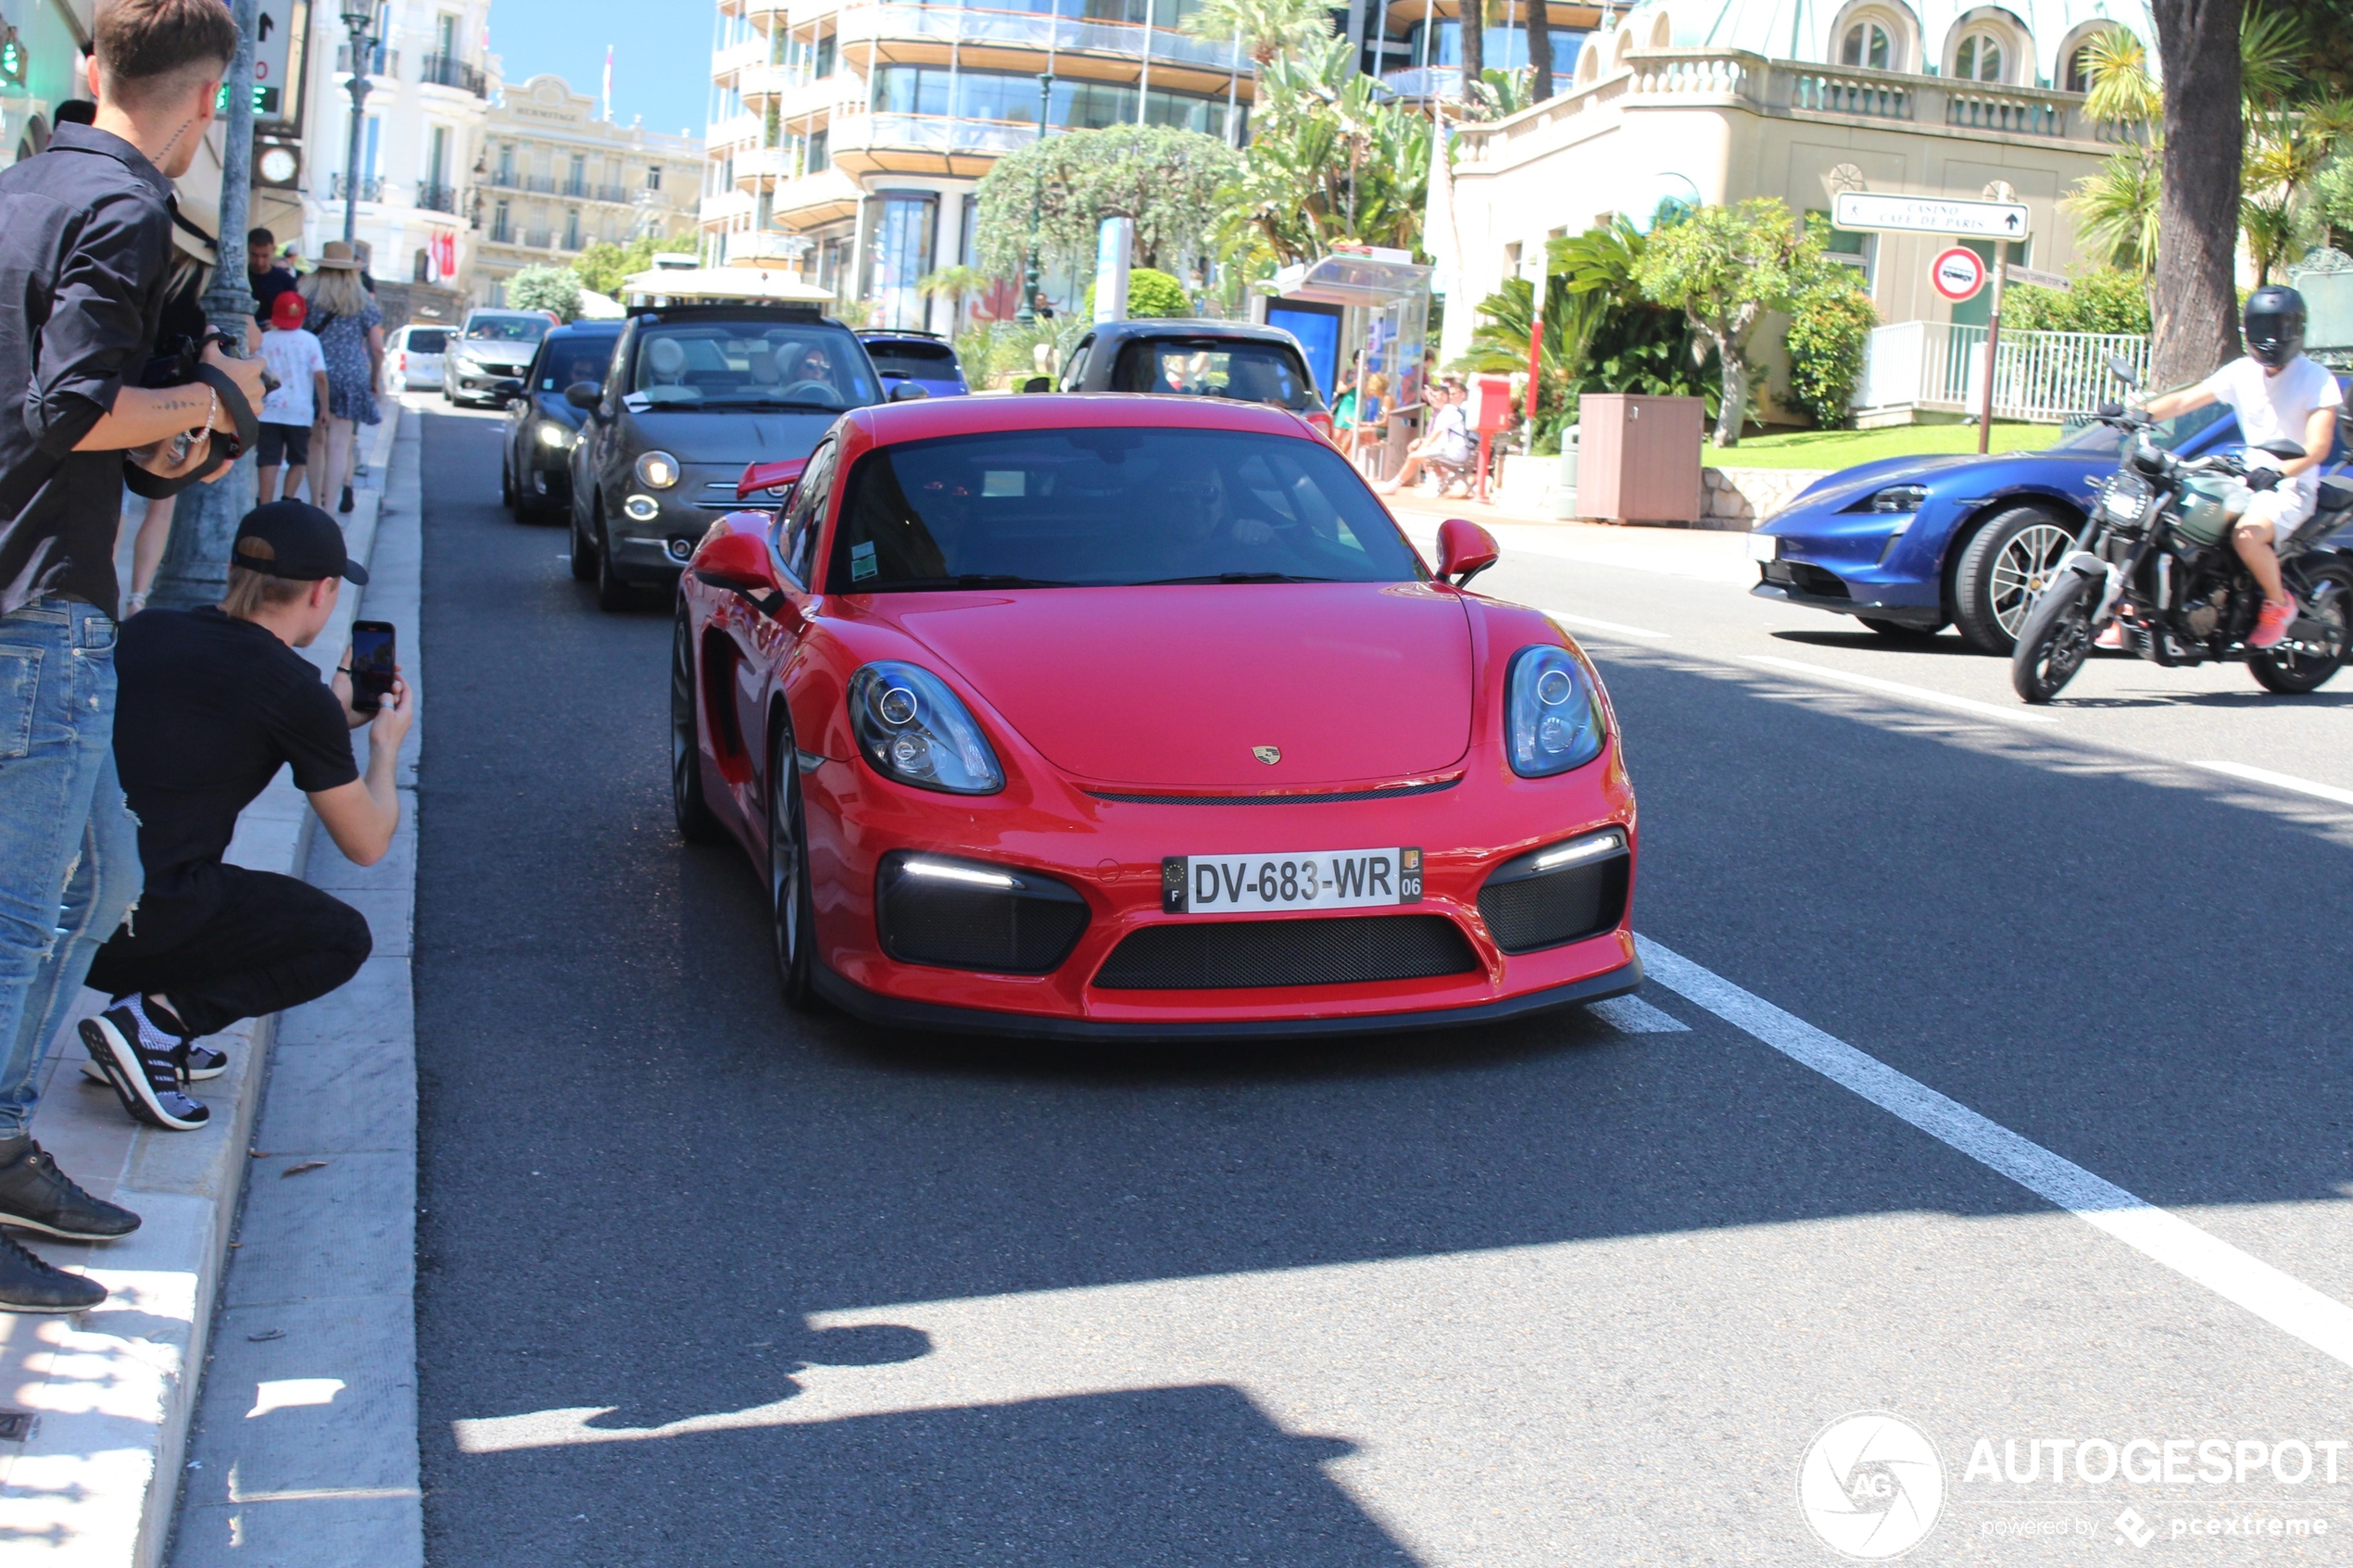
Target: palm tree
[(2123, 91), (954, 284), (1267, 28), (1539, 50), (2118, 207)]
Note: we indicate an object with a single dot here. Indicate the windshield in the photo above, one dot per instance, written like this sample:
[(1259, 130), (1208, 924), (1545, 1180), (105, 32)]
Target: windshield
[(567, 360), (922, 362), (428, 340), (747, 364), (507, 329), (1254, 372), (1098, 507), (2107, 441)]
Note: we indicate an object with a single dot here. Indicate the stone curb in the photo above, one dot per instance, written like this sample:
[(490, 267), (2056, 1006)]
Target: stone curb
[(111, 1392)]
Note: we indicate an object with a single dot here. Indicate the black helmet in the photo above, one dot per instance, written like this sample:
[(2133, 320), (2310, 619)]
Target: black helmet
[(2274, 325)]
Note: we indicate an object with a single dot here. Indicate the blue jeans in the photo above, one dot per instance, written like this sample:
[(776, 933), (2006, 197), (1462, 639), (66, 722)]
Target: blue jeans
[(68, 846)]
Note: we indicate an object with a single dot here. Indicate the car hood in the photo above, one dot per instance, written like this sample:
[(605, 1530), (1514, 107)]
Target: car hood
[(712, 435), (1852, 484), (1175, 685), (495, 351)]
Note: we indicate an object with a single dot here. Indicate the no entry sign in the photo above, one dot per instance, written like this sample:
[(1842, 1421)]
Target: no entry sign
[(1956, 273)]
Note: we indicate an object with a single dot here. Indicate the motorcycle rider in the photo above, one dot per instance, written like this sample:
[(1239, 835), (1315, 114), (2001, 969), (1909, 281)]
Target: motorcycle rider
[(2278, 395)]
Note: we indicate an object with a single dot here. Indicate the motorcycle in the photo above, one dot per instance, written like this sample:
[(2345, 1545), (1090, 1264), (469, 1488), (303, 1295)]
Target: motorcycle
[(2155, 558)]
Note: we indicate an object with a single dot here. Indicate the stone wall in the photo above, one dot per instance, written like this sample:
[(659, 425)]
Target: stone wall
[(1740, 498)]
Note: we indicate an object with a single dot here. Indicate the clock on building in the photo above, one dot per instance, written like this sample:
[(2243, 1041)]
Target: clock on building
[(275, 164)]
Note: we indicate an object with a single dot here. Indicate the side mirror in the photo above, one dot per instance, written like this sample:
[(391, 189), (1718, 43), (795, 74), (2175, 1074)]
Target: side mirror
[(1038, 383), (738, 563), (2121, 368), (907, 391), (583, 395), (2286, 451), (775, 479), (1465, 550)]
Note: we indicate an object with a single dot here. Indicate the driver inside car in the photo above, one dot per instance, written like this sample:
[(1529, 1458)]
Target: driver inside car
[(2278, 395)]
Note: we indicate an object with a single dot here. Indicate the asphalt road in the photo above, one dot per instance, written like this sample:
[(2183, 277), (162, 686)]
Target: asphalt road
[(702, 1285)]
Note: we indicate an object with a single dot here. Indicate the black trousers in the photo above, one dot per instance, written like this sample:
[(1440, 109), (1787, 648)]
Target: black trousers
[(224, 942)]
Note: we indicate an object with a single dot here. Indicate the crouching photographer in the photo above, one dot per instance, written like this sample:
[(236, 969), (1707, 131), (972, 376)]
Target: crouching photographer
[(213, 702)]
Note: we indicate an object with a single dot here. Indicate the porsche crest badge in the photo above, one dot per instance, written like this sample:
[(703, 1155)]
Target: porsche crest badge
[(1270, 755)]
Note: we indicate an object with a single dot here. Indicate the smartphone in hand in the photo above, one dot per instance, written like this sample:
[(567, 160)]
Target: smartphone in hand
[(372, 666)]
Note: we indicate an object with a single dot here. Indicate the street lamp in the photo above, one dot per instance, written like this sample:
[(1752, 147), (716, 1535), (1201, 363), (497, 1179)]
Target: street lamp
[(357, 16), (1027, 314)]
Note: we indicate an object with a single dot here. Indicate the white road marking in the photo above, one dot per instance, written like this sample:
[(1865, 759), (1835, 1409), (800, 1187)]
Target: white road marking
[(2279, 780), (1911, 694), (1612, 627), (2279, 1298), (1631, 1015)]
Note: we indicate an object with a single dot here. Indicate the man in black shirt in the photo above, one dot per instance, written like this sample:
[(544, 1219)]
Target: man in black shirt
[(268, 278), (85, 257), (214, 702)]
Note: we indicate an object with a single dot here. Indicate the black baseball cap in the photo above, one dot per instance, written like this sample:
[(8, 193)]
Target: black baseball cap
[(306, 545)]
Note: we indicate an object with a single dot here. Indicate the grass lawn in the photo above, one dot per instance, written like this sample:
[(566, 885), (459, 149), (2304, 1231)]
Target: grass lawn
[(1843, 448)]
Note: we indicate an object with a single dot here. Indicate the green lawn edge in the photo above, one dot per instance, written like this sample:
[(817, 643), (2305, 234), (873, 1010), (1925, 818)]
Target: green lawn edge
[(1844, 448)]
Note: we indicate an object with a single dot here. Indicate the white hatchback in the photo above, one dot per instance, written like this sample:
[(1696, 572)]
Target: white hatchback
[(412, 360)]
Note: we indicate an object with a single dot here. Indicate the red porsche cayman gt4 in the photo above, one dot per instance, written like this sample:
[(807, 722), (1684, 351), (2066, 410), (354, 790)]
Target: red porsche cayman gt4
[(1108, 717)]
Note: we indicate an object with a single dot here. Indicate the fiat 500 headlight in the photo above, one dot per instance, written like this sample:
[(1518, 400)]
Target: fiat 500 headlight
[(914, 729), (657, 471), (1552, 714), (553, 434)]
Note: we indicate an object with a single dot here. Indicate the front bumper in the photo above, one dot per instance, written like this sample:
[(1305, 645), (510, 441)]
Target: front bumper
[(657, 547), (1859, 563), (464, 380), (1111, 854)]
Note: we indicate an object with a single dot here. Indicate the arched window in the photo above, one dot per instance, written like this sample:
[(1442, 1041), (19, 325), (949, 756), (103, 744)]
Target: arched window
[(1979, 59), (1868, 44), (2079, 73)]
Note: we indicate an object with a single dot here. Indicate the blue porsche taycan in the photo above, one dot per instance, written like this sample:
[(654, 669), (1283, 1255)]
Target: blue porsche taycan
[(1909, 546)]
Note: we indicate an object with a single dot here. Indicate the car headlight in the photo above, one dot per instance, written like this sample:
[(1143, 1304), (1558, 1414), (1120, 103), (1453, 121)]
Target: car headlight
[(553, 434), (657, 471), (1552, 711), (1906, 499), (914, 729)]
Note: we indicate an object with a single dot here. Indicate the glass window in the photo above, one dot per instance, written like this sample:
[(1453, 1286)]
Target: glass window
[(1507, 47), (507, 329), (900, 230), (2079, 71), (2167, 433), (1104, 507), (1869, 45), (1979, 58), (1249, 373), (745, 364), (574, 357), (797, 530), (928, 361), (427, 340)]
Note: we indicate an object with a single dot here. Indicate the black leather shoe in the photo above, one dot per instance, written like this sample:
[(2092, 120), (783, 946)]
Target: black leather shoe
[(28, 1284), (36, 1196), (146, 1079)]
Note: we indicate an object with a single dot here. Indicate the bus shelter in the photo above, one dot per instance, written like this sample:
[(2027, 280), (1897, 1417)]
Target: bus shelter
[(1368, 311)]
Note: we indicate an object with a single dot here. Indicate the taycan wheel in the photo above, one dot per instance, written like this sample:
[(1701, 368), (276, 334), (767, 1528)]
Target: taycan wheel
[(2005, 566), (696, 824), (793, 918), (2308, 666)]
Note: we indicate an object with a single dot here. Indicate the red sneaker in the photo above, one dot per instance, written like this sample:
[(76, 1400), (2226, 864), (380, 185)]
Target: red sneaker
[(2273, 625), (2111, 638)]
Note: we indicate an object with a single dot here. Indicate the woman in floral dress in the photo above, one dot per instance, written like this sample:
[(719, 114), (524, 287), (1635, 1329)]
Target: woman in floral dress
[(351, 334)]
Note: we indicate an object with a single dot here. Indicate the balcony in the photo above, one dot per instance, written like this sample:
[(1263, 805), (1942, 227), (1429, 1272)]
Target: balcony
[(538, 239), (448, 70), (381, 60), (371, 188), (619, 196), (502, 233), (757, 169), (908, 143), (808, 200), (1421, 84), (896, 23), (436, 198), (1729, 79), (576, 189), (725, 62), (726, 206), (761, 82)]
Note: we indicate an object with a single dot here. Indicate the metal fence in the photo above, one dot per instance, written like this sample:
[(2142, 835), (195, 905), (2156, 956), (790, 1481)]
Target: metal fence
[(2042, 377), (1033, 30)]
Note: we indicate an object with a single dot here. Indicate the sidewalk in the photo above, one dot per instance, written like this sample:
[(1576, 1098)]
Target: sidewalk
[(1713, 555), (107, 1395)]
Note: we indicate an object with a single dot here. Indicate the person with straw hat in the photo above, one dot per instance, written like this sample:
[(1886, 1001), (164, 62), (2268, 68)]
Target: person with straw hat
[(351, 334)]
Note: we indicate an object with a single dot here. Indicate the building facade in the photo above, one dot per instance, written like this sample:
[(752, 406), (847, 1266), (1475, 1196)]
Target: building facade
[(430, 84), (555, 179), (848, 136), (1698, 102)]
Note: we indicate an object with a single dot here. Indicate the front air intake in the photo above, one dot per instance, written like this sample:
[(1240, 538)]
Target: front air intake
[(1295, 951), (971, 914), (1561, 892)]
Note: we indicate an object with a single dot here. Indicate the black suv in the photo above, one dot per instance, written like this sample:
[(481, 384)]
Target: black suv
[(534, 473), (696, 392), (1172, 356)]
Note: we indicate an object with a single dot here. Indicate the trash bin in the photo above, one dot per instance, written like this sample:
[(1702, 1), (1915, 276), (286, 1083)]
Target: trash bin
[(1641, 464), (1565, 493)]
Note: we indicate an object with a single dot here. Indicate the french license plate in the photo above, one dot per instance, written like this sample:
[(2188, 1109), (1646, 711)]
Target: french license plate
[(1764, 546), (1321, 879)]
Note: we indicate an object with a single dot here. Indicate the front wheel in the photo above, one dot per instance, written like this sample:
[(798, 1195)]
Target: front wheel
[(2003, 567), (2056, 639), (614, 592), (692, 812), (2307, 665), (792, 905)]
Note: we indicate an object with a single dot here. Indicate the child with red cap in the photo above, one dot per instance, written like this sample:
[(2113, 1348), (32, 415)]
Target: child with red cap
[(294, 356)]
